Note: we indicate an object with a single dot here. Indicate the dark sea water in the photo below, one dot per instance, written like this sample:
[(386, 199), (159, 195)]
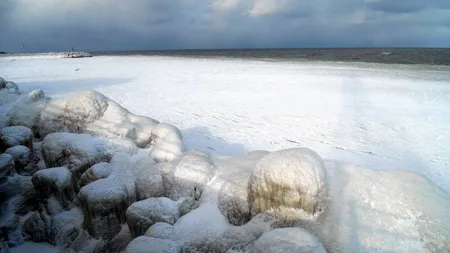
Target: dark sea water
[(428, 56)]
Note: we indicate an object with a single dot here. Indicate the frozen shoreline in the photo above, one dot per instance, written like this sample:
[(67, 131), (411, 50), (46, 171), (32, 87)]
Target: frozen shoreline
[(375, 115)]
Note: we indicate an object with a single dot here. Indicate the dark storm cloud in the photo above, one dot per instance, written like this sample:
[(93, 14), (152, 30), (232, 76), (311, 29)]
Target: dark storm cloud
[(54, 25)]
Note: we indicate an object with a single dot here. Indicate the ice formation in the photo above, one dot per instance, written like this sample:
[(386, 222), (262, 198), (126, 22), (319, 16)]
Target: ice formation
[(290, 182)]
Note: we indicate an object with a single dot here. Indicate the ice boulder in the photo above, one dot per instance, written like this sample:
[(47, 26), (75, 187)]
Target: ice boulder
[(26, 110), (166, 143), (96, 172), (143, 214), (145, 244), (56, 182), (104, 203), (25, 162), (287, 240), (15, 135), (187, 175), (382, 211), (81, 151), (6, 166), (291, 183)]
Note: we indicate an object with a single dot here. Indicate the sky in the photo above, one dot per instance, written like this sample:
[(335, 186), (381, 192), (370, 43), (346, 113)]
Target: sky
[(91, 25)]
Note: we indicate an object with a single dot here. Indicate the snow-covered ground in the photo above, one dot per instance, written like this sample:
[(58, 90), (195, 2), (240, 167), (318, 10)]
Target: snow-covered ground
[(374, 115)]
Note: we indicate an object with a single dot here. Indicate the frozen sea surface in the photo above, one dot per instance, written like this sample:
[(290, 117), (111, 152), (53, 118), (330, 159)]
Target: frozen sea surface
[(374, 115)]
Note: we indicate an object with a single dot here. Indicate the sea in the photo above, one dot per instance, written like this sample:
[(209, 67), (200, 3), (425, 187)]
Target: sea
[(426, 56)]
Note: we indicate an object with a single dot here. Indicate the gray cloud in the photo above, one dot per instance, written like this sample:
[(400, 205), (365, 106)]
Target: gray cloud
[(54, 25)]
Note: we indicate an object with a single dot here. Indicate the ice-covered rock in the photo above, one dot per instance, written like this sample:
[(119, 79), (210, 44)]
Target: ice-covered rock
[(26, 110), (92, 112), (96, 172), (66, 227), (161, 230), (234, 193), (291, 183), (25, 162), (12, 87), (166, 143), (187, 175), (186, 204), (104, 203), (145, 244), (143, 214), (144, 128), (37, 226), (14, 185), (6, 166), (287, 240), (15, 135), (2, 83), (148, 179), (81, 151), (118, 243), (55, 182), (4, 121), (382, 211)]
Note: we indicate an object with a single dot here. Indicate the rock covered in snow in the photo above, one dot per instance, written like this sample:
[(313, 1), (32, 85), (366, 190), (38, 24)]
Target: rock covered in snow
[(12, 86), (92, 112), (57, 182), (234, 192), (67, 231), (15, 185), (36, 226), (143, 214), (15, 135), (166, 143), (148, 179), (118, 243), (291, 183), (96, 172), (187, 175), (80, 151), (104, 203), (26, 110), (6, 166), (145, 244), (287, 240), (2, 83), (25, 162)]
